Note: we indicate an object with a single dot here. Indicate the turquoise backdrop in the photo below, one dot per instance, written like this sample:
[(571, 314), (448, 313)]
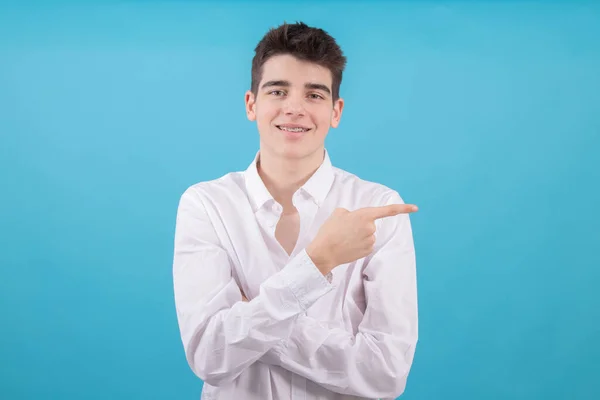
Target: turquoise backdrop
[(485, 114)]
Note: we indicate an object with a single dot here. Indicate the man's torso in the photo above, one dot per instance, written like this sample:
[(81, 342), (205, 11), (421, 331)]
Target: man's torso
[(260, 243)]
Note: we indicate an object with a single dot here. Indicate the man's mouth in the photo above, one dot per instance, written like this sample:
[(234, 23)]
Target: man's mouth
[(293, 128)]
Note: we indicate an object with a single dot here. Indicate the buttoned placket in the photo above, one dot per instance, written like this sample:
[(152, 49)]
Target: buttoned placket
[(307, 208)]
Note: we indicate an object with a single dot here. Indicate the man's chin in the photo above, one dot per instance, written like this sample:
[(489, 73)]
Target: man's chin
[(291, 149), (296, 151)]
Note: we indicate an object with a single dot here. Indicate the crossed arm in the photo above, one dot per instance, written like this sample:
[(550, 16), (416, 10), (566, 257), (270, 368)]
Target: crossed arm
[(223, 336)]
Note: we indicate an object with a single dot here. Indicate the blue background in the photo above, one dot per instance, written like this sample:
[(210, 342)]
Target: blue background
[(485, 114)]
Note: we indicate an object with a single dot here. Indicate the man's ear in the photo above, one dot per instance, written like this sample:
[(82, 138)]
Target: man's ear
[(336, 115), (250, 106)]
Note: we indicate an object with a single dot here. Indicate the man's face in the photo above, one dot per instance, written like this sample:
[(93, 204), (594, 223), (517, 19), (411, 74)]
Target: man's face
[(293, 107)]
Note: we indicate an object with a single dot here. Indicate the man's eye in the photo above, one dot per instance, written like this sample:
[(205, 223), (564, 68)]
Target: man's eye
[(277, 92), (315, 96)]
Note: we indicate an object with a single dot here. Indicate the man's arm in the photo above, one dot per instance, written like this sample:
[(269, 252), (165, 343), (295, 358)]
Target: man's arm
[(222, 335), (375, 362)]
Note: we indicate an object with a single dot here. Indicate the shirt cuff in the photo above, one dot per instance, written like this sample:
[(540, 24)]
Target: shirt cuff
[(305, 280)]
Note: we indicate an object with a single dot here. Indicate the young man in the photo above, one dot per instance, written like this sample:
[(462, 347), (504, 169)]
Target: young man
[(295, 279)]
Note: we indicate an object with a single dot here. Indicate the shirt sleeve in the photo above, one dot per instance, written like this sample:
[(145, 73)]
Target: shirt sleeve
[(375, 362), (221, 334)]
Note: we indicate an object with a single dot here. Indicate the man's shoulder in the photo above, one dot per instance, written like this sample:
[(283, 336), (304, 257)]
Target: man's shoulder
[(365, 192), (230, 184)]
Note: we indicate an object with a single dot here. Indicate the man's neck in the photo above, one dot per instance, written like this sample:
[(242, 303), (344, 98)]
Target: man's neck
[(284, 176)]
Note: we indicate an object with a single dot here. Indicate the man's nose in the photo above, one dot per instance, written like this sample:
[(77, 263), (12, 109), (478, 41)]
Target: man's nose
[(293, 106)]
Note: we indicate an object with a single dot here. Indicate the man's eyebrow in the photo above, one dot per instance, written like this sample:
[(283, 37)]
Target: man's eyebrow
[(275, 83), (318, 86), (282, 83)]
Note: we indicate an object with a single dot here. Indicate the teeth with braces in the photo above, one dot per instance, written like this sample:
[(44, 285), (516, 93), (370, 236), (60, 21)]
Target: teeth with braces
[(283, 128)]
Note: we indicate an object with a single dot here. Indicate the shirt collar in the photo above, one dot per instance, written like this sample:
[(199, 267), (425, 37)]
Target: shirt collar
[(317, 186)]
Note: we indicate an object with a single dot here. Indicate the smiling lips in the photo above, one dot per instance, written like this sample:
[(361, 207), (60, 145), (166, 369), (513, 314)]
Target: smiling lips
[(293, 130)]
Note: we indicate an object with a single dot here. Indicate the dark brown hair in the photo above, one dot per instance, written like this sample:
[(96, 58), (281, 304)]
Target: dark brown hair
[(305, 43)]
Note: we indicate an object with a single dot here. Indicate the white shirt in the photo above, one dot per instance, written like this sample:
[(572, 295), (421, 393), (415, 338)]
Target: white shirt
[(300, 336)]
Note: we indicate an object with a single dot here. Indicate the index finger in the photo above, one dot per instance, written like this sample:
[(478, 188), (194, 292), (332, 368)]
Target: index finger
[(388, 211)]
